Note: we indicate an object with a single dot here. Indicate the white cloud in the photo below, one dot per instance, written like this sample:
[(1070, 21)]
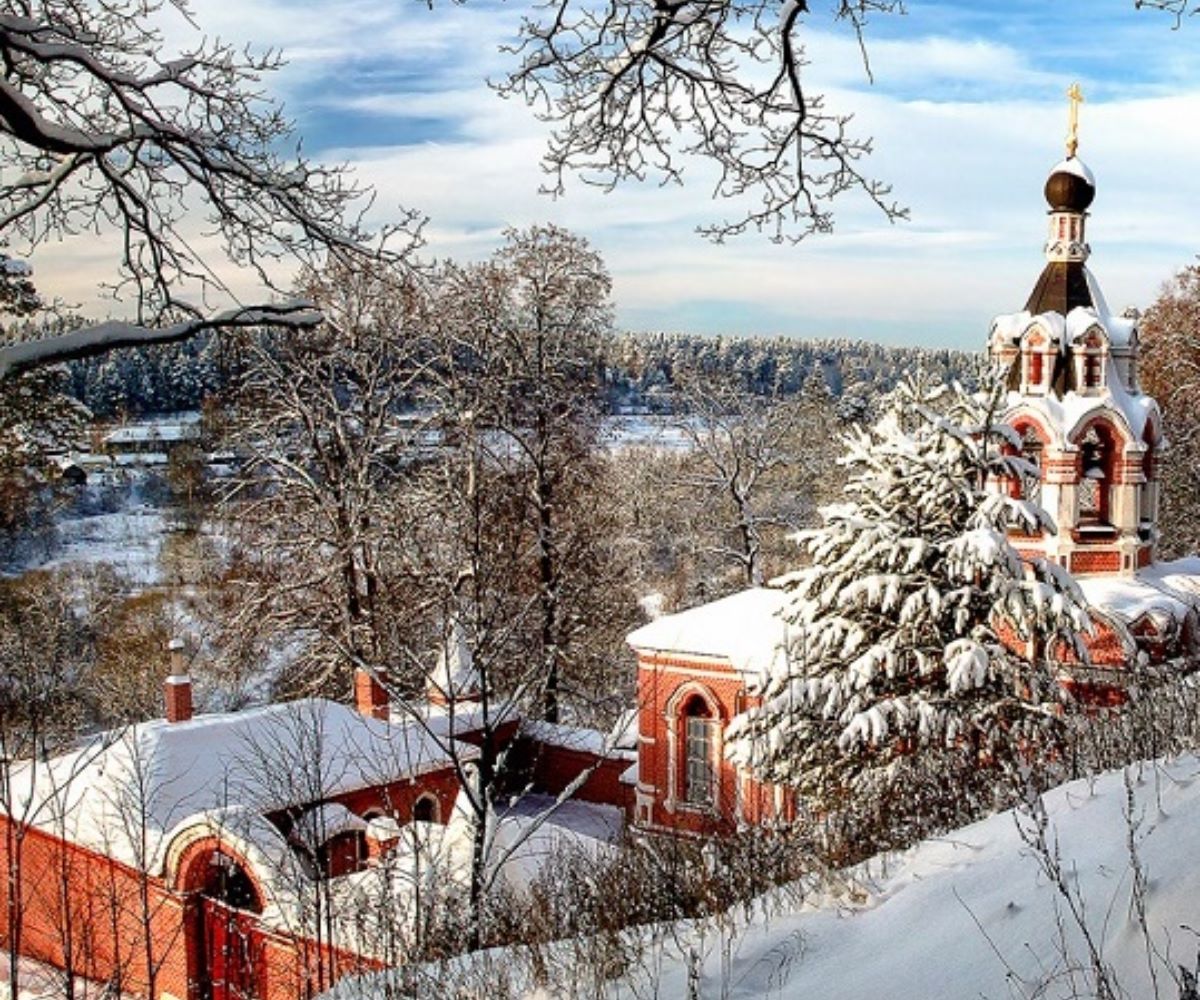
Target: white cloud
[(970, 169)]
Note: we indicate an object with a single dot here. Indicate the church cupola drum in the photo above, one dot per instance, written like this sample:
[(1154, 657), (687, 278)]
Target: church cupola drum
[(1074, 399)]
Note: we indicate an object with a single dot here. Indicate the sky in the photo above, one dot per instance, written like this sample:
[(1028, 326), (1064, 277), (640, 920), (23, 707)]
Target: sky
[(967, 109)]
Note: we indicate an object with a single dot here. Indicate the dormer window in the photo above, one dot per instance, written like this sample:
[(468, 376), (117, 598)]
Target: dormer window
[(1034, 378), (1034, 368), (1090, 353)]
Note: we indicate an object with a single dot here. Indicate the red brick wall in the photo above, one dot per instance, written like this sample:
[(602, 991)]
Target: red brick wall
[(1104, 561), (83, 911), (398, 798), (660, 679), (553, 768)]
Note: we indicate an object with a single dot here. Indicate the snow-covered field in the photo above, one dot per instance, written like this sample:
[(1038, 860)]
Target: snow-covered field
[(966, 916), (623, 431), (128, 540)]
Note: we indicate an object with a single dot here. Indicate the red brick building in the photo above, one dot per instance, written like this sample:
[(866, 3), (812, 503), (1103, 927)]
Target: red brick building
[(267, 852), (693, 670), (191, 857), (1097, 443)]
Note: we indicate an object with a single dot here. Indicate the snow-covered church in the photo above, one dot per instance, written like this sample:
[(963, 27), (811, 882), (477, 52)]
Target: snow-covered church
[(1097, 441)]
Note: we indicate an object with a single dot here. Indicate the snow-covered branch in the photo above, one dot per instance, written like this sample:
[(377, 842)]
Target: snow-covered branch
[(103, 129), (90, 341)]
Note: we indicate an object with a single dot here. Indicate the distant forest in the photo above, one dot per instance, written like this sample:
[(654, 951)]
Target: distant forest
[(640, 375)]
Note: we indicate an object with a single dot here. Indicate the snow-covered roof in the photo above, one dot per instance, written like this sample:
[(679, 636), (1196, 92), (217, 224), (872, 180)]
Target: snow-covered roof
[(745, 628), (1161, 590), (261, 759), (1065, 415), (1010, 327), (325, 821), (182, 427), (591, 741)]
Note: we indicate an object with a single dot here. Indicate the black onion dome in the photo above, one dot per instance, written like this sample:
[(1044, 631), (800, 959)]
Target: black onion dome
[(1069, 187)]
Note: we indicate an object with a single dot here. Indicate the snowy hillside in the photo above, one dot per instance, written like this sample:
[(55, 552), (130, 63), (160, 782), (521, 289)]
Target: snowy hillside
[(968, 915), (973, 914)]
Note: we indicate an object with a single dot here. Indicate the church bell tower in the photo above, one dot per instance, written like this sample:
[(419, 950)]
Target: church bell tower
[(1074, 397)]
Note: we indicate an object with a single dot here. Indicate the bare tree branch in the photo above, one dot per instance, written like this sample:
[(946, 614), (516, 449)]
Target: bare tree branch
[(637, 88), (103, 130), (92, 340)]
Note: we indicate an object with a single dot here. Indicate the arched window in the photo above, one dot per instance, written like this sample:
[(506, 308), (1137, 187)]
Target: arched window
[(699, 774), (227, 882), (425, 809)]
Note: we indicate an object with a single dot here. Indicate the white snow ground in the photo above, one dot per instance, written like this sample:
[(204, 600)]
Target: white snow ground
[(972, 914), (129, 541), (967, 916)]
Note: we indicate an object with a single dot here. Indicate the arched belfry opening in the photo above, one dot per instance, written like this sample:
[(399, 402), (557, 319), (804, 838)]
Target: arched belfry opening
[(1098, 451)]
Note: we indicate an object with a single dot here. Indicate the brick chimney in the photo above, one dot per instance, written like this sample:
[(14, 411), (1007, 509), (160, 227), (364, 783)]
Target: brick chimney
[(370, 696), (177, 690)]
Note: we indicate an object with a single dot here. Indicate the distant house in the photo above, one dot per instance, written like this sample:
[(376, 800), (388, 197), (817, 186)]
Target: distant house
[(150, 442)]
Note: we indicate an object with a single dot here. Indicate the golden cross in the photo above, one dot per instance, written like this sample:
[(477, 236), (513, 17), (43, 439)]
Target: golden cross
[(1075, 95)]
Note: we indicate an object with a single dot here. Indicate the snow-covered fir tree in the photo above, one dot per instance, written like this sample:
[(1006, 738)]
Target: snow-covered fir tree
[(903, 626)]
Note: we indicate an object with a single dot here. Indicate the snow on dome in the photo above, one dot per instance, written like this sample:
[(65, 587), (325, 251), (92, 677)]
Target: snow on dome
[(1070, 187), (1074, 165), (746, 628)]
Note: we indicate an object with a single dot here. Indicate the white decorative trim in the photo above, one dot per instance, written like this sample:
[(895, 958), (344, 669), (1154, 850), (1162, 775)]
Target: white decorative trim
[(671, 713)]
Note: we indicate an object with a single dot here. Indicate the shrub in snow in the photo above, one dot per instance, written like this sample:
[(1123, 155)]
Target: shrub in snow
[(897, 668)]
